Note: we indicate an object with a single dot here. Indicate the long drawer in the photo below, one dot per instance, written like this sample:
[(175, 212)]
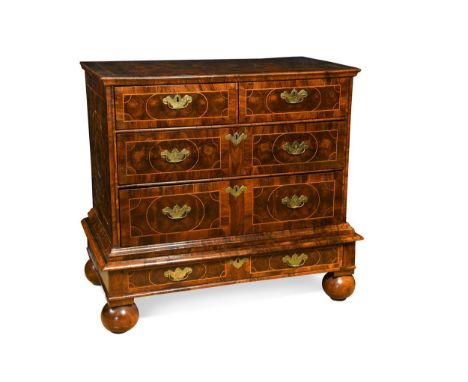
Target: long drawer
[(204, 210), (224, 270), (139, 107), (228, 152)]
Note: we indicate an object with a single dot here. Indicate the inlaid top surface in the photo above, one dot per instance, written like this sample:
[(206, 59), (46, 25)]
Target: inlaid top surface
[(234, 69)]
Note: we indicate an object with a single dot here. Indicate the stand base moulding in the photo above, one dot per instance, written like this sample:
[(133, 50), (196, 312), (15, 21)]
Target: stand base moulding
[(216, 172)]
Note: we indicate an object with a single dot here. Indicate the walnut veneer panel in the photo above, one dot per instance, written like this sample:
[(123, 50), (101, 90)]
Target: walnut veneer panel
[(316, 259), (156, 157), (186, 275), (99, 145), (153, 215), (150, 106), (171, 156), (292, 202), (182, 275), (283, 100), (289, 148), (215, 172)]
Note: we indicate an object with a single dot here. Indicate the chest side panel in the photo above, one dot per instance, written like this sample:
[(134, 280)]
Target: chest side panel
[(99, 146)]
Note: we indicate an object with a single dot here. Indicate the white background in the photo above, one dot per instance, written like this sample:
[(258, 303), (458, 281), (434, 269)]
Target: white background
[(407, 320)]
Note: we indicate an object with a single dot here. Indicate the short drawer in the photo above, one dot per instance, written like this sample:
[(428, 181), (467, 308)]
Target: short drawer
[(140, 107), (293, 100), (173, 213), (320, 259), (176, 276), (170, 156)]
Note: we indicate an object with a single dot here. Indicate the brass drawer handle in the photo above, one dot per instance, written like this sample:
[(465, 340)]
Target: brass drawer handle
[(178, 274), (177, 102), (295, 148), (295, 201), (176, 212), (235, 138), (294, 96), (238, 262), (175, 156), (295, 260), (236, 190)]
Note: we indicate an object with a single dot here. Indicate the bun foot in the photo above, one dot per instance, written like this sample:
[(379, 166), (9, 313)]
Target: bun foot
[(120, 318), (338, 288), (91, 273)]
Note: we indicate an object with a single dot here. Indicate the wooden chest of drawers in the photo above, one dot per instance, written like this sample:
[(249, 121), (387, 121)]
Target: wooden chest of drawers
[(207, 173)]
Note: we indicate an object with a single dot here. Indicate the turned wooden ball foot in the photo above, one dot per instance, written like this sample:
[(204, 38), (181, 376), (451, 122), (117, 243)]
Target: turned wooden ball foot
[(338, 288), (91, 273), (119, 319)]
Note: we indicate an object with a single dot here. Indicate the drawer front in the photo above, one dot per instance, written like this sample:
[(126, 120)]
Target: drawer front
[(139, 107), (292, 202), (301, 261), (301, 147), (193, 274), (173, 213), (170, 156), (293, 100), (176, 276), (244, 206), (239, 151)]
